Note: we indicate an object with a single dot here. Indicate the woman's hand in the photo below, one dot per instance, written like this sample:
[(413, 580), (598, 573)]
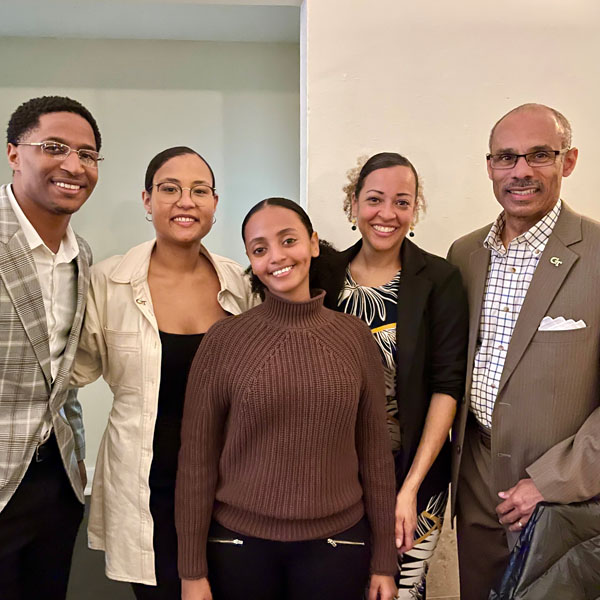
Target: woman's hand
[(195, 589), (406, 519), (382, 587)]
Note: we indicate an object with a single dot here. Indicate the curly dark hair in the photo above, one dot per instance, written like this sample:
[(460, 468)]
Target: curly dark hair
[(365, 166), (27, 116)]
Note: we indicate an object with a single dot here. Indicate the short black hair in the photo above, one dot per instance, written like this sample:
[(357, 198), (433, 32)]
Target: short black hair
[(27, 116), (258, 287), (162, 157)]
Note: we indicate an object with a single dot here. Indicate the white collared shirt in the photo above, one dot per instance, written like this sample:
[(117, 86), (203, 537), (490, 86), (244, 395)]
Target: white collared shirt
[(57, 276), (509, 274)]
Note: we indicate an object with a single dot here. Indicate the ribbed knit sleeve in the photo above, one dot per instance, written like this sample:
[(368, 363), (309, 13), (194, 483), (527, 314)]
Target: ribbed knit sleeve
[(204, 416), (375, 457)]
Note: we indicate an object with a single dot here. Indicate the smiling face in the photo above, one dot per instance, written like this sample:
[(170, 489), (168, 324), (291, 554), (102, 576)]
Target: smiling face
[(280, 250), (186, 220), (528, 193), (385, 208), (44, 185)]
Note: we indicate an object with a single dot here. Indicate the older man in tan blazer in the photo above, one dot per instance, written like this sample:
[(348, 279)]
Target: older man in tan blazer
[(529, 428)]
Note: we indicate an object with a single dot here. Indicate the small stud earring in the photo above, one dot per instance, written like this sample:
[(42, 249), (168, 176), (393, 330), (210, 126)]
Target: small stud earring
[(353, 223), (411, 233), (148, 214)]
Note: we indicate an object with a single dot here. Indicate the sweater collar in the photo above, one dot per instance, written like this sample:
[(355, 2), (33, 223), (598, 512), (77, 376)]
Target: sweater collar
[(286, 313)]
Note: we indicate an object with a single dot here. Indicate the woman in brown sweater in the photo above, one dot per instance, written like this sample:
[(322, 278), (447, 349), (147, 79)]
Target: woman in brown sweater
[(285, 488)]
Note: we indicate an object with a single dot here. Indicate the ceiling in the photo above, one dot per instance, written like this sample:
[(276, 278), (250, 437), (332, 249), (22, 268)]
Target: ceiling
[(217, 20)]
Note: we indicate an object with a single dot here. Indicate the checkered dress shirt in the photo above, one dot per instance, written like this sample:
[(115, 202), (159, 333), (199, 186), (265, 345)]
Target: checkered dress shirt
[(510, 272)]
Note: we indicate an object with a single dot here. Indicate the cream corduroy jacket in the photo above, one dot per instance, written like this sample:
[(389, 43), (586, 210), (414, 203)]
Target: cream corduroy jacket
[(120, 341)]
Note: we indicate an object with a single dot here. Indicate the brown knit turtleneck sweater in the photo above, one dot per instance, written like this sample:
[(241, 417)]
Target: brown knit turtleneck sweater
[(284, 434)]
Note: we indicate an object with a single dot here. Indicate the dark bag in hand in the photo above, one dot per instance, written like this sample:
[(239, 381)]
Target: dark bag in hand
[(557, 556)]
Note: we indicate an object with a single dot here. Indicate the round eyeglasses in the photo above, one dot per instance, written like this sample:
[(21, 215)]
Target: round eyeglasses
[(168, 191), (538, 158), (59, 151)]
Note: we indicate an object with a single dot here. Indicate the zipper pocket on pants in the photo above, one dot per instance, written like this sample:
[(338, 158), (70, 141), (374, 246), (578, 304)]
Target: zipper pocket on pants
[(335, 543), (226, 541)]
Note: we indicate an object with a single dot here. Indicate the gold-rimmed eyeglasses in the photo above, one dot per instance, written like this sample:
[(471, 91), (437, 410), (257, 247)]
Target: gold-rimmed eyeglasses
[(60, 151), (168, 191)]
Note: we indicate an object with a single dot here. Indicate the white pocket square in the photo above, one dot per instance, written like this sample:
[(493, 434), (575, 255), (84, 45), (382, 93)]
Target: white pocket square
[(560, 324)]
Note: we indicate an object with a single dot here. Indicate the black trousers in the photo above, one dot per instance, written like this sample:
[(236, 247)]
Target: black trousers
[(168, 584), (259, 569), (38, 528)]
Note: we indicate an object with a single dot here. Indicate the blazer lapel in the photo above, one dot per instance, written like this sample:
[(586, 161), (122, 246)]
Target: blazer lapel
[(413, 292), (18, 272), (546, 282), (478, 265), (83, 280)]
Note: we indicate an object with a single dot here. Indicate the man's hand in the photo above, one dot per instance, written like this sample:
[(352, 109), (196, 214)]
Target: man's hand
[(519, 503), (82, 472)]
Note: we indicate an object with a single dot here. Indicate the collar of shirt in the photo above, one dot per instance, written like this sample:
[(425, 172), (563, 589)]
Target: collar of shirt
[(68, 249), (535, 238)]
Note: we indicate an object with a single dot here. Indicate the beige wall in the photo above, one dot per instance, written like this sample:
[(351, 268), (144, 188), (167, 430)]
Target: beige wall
[(428, 79)]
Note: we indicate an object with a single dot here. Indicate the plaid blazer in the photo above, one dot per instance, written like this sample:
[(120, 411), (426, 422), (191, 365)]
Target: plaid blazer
[(27, 393)]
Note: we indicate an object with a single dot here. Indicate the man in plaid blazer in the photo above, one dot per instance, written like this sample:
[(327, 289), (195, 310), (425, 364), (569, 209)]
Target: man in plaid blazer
[(53, 145)]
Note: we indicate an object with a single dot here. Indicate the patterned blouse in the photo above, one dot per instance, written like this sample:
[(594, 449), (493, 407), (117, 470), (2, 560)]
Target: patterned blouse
[(377, 307)]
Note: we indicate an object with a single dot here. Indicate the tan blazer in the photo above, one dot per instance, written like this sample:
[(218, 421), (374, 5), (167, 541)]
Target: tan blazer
[(546, 420)]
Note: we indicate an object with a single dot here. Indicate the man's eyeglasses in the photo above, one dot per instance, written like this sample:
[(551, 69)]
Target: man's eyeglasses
[(170, 192), (539, 158), (88, 158)]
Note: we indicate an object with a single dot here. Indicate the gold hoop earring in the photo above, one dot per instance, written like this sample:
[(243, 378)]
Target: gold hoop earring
[(148, 219)]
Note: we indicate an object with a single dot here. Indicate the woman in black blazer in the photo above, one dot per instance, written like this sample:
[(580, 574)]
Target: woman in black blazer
[(417, 310)]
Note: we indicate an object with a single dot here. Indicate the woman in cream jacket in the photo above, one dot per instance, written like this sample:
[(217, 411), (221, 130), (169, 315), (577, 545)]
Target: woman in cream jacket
[(146, 313)]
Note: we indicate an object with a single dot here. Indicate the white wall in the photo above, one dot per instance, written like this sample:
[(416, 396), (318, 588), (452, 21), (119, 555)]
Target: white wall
[(428, 79), (235, 103)]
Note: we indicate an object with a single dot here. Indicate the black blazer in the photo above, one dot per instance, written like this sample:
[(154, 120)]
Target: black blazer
[(431, 340)]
